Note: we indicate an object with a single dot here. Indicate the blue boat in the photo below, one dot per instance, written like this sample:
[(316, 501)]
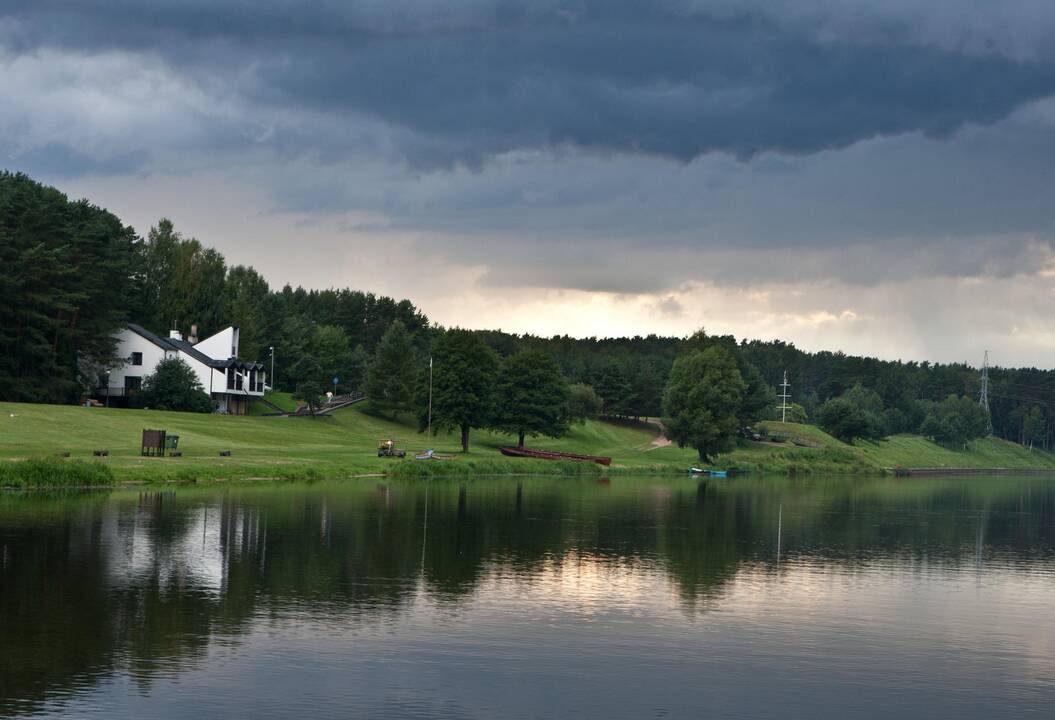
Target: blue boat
[(708, 473)]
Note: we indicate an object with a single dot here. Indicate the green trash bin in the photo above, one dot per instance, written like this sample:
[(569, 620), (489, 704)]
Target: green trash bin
[(171, 442)]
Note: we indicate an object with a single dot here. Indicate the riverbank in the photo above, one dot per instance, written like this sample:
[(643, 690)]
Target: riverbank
[(340, 445), (345, 444)]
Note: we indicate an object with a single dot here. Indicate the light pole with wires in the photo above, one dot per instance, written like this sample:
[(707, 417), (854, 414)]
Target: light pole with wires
[(430, 397)]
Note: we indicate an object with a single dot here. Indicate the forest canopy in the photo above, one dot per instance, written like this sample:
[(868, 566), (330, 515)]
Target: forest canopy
[(72, 274)]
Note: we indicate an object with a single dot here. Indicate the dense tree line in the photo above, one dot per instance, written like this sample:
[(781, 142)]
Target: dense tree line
[(67, 272), (71, 274)]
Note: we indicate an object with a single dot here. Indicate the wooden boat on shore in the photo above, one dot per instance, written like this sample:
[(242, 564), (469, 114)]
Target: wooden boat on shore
[(553, 455)]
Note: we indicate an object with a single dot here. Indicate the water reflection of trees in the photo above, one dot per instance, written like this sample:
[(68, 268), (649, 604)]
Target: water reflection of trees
[(142, 582)]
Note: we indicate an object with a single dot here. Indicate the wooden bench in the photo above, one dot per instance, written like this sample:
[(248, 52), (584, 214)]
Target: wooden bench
[(153, 443)]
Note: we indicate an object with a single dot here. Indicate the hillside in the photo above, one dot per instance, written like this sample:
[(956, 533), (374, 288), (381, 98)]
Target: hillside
[(346, 443), (342, 444)]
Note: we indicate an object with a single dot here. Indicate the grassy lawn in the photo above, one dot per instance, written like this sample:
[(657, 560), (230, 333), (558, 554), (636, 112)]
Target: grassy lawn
[(342, 444), (345, 443), (283, 400), (914, 451)]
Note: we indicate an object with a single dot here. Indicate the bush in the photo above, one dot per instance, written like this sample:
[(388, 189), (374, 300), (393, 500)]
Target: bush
[(46, 472), (955, 421), (583, 403), (174, 386), (858, 413)]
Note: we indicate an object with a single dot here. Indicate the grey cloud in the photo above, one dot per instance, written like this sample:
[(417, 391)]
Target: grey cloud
[(60, 160), (465, 83), (863, 141)]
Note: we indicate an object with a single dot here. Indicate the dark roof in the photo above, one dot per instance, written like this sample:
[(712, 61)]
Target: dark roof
[(144, 333), (238, 364), (184, 346)]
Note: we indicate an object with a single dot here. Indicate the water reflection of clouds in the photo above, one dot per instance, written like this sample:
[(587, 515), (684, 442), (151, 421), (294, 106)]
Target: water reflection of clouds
[(611, 593)]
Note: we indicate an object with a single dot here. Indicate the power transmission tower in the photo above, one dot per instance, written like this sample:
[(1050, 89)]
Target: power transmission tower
[(784, 396), (983, 398)]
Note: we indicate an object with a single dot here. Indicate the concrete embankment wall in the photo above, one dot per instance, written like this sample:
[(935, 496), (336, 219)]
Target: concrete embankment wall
[(936, 472)]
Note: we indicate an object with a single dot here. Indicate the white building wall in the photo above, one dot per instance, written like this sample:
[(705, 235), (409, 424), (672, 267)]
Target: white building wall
[(200, 369), (220, 346), (129, 342)]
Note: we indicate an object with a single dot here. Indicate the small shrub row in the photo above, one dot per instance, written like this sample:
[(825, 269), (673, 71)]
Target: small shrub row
[(463, 466), (49, 472)]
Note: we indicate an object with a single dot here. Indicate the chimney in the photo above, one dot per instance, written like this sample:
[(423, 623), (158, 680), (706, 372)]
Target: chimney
[(175, 335), (193, 337)]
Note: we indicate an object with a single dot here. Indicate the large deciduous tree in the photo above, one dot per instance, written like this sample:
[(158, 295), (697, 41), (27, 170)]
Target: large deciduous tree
[(182, 283), (463, 383), (532, 396), (702, 402), (759, 397)]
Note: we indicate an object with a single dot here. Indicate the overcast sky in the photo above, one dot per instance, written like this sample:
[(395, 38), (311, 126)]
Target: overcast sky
[(873, 177)]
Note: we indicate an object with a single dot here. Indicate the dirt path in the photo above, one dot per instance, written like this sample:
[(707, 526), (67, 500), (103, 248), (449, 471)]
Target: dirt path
[(660, 440)]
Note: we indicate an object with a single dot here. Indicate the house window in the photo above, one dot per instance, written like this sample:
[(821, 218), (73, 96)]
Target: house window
[(133, 383), (137, 358)]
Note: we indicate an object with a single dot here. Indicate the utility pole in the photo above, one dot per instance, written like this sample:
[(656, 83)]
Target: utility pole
[(784, 397), (430, 397), (983, 398)]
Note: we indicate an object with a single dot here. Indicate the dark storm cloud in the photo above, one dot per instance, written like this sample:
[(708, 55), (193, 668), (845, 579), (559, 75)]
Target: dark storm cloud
[(459, 82), (60, 159)]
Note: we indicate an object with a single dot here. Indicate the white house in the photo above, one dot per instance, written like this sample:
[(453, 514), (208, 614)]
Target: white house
[(230, 382)]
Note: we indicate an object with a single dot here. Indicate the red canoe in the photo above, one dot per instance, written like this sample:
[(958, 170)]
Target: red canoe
[(553, 455)]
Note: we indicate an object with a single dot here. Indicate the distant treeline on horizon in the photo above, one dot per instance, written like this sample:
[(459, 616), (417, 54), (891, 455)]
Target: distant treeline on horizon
[(71, 274)]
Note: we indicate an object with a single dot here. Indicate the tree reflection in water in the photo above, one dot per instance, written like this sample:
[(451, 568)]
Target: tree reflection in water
[(143, 582)]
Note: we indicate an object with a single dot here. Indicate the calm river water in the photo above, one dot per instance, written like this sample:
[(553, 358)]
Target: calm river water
[(499, 598)]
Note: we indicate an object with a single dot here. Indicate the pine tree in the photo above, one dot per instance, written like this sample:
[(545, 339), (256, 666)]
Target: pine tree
[(391, 375), (65, 278)]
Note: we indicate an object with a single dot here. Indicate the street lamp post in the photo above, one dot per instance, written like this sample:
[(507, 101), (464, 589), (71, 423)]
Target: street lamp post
[(272, 349), (107, 388), (430, 398)]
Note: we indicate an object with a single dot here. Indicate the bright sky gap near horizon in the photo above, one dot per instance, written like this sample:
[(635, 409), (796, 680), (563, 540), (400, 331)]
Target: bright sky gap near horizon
[(847, 175)]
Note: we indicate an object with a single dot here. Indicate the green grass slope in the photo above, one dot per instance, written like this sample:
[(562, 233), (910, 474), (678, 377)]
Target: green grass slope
[(282, 400), (917, 452), (345, 443), (906, 451), (342, 444)]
